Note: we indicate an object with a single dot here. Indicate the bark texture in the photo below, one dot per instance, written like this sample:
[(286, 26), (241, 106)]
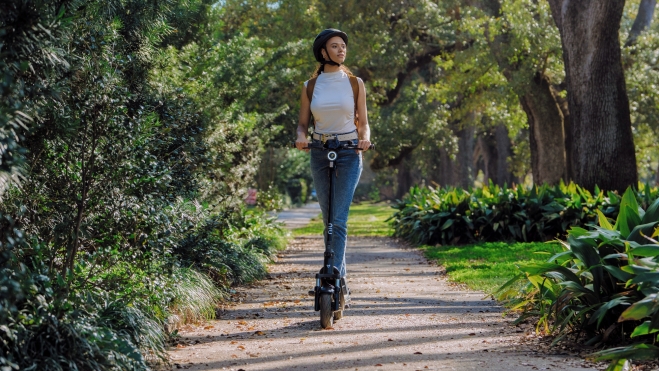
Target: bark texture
[(546, 136), (602, 143)]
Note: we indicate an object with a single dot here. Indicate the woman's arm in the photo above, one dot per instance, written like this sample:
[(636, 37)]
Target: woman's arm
[(303, 121), (364, 130)]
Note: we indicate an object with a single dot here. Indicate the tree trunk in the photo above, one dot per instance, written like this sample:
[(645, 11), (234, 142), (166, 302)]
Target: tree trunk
[(603, 146), (445, 172), (546, 133), (503, 153), (404, 179), (642, 21), (463, 169), (546, 136)]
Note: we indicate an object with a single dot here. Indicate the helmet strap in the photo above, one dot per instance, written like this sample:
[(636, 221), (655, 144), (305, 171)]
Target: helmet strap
[(330, 61)]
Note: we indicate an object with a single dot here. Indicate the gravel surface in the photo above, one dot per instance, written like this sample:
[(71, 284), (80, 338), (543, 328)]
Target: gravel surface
[(404, 316)]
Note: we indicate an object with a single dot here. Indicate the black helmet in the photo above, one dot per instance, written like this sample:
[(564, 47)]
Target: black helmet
[(322, 38)]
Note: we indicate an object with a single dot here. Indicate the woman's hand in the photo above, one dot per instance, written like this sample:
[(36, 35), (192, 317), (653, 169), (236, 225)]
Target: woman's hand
[(301, 143), (364, 144)]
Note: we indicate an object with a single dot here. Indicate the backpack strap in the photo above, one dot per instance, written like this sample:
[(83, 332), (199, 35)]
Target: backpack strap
[(354, 83), (310, 86), (355, 89)]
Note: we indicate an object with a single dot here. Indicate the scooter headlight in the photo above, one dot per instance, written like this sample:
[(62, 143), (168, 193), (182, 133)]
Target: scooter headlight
[(331, 155)]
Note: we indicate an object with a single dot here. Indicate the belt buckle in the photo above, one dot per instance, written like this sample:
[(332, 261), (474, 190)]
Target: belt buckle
[(325, 137)]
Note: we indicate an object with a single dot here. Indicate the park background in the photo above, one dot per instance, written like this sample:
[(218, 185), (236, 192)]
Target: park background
[(131, 132)]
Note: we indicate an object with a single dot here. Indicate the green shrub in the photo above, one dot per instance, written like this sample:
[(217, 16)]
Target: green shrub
[(605, 277), (195, 297), (450, 216)]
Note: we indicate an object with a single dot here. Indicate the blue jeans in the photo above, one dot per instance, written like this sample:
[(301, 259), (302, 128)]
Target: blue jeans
[(348, 169)]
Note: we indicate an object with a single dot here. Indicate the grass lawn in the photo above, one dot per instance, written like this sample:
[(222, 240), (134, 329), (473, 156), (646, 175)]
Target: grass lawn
[(364, 220), (487, 266)]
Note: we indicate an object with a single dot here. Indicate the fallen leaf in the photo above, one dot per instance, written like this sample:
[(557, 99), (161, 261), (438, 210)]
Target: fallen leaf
[(259, 333), (254, 355), (234, 356), (242, 322), (233, 342), (241, 347), (472, 334), (208, 327), (390, 340), (418, 353), (180, 346), (297, 301), (378, 364)]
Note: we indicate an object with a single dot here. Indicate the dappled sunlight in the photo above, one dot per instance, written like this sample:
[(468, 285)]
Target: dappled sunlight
[(404, 315)]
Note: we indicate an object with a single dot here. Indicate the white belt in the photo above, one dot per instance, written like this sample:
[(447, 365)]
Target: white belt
[(341, 137)]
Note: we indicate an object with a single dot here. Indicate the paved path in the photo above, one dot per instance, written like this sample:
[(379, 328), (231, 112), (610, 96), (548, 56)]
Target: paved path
[(405, 316), (299, 217)]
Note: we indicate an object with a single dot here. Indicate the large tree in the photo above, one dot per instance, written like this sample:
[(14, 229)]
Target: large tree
[(602, 142)]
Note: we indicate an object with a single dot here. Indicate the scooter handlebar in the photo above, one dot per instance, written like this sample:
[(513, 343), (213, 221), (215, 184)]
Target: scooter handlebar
[(344, 146)]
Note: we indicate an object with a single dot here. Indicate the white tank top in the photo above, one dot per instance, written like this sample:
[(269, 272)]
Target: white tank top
[(333, 104)]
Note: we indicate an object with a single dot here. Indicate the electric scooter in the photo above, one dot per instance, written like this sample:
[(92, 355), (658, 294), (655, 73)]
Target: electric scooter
[(330, 294)]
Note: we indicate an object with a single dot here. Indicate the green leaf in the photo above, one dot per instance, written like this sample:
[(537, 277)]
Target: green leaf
[(636, 351), (646, 250), (638, 233), (537, 269), (447, 224), (619, 365), (652, 213), (617, 273), (640, 309), (600, 313), (603, 222), (643, 329)]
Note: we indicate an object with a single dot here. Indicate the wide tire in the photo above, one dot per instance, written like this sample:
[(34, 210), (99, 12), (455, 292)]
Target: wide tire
[(326, 315)]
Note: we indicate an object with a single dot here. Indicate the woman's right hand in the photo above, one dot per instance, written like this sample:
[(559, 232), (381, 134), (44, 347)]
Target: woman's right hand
[(302, 143)]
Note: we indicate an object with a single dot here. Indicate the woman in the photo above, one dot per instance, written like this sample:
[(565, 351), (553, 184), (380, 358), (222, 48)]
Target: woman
[(333, 107)]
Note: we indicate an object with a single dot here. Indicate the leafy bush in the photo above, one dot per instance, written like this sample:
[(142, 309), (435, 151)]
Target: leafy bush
[(109, 134), (450, 215), (605, 277), (195, 297)]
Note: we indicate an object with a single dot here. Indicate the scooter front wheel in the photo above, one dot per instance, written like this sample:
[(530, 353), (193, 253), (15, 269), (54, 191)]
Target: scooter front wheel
[(326, 315)]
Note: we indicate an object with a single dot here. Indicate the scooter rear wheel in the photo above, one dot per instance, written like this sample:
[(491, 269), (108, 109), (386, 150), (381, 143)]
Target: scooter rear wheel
[(326, 315)]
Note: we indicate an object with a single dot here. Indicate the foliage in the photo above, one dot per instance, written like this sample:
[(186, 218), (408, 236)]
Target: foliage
[(453, 215), (604, 278), (121, 144), (195, 297)]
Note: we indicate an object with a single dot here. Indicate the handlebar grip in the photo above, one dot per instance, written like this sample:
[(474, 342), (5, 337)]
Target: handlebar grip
[(292, 145)]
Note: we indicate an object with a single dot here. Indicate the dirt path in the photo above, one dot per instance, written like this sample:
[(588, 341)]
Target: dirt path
[(404, 316)]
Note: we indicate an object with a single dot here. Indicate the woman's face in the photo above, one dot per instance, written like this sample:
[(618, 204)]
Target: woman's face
[(336, 48)]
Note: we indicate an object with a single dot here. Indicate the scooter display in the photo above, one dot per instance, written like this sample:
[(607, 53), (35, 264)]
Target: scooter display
[(330, 294)]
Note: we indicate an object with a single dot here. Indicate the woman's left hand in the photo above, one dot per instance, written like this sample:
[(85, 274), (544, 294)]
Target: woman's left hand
[(364, 145)]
